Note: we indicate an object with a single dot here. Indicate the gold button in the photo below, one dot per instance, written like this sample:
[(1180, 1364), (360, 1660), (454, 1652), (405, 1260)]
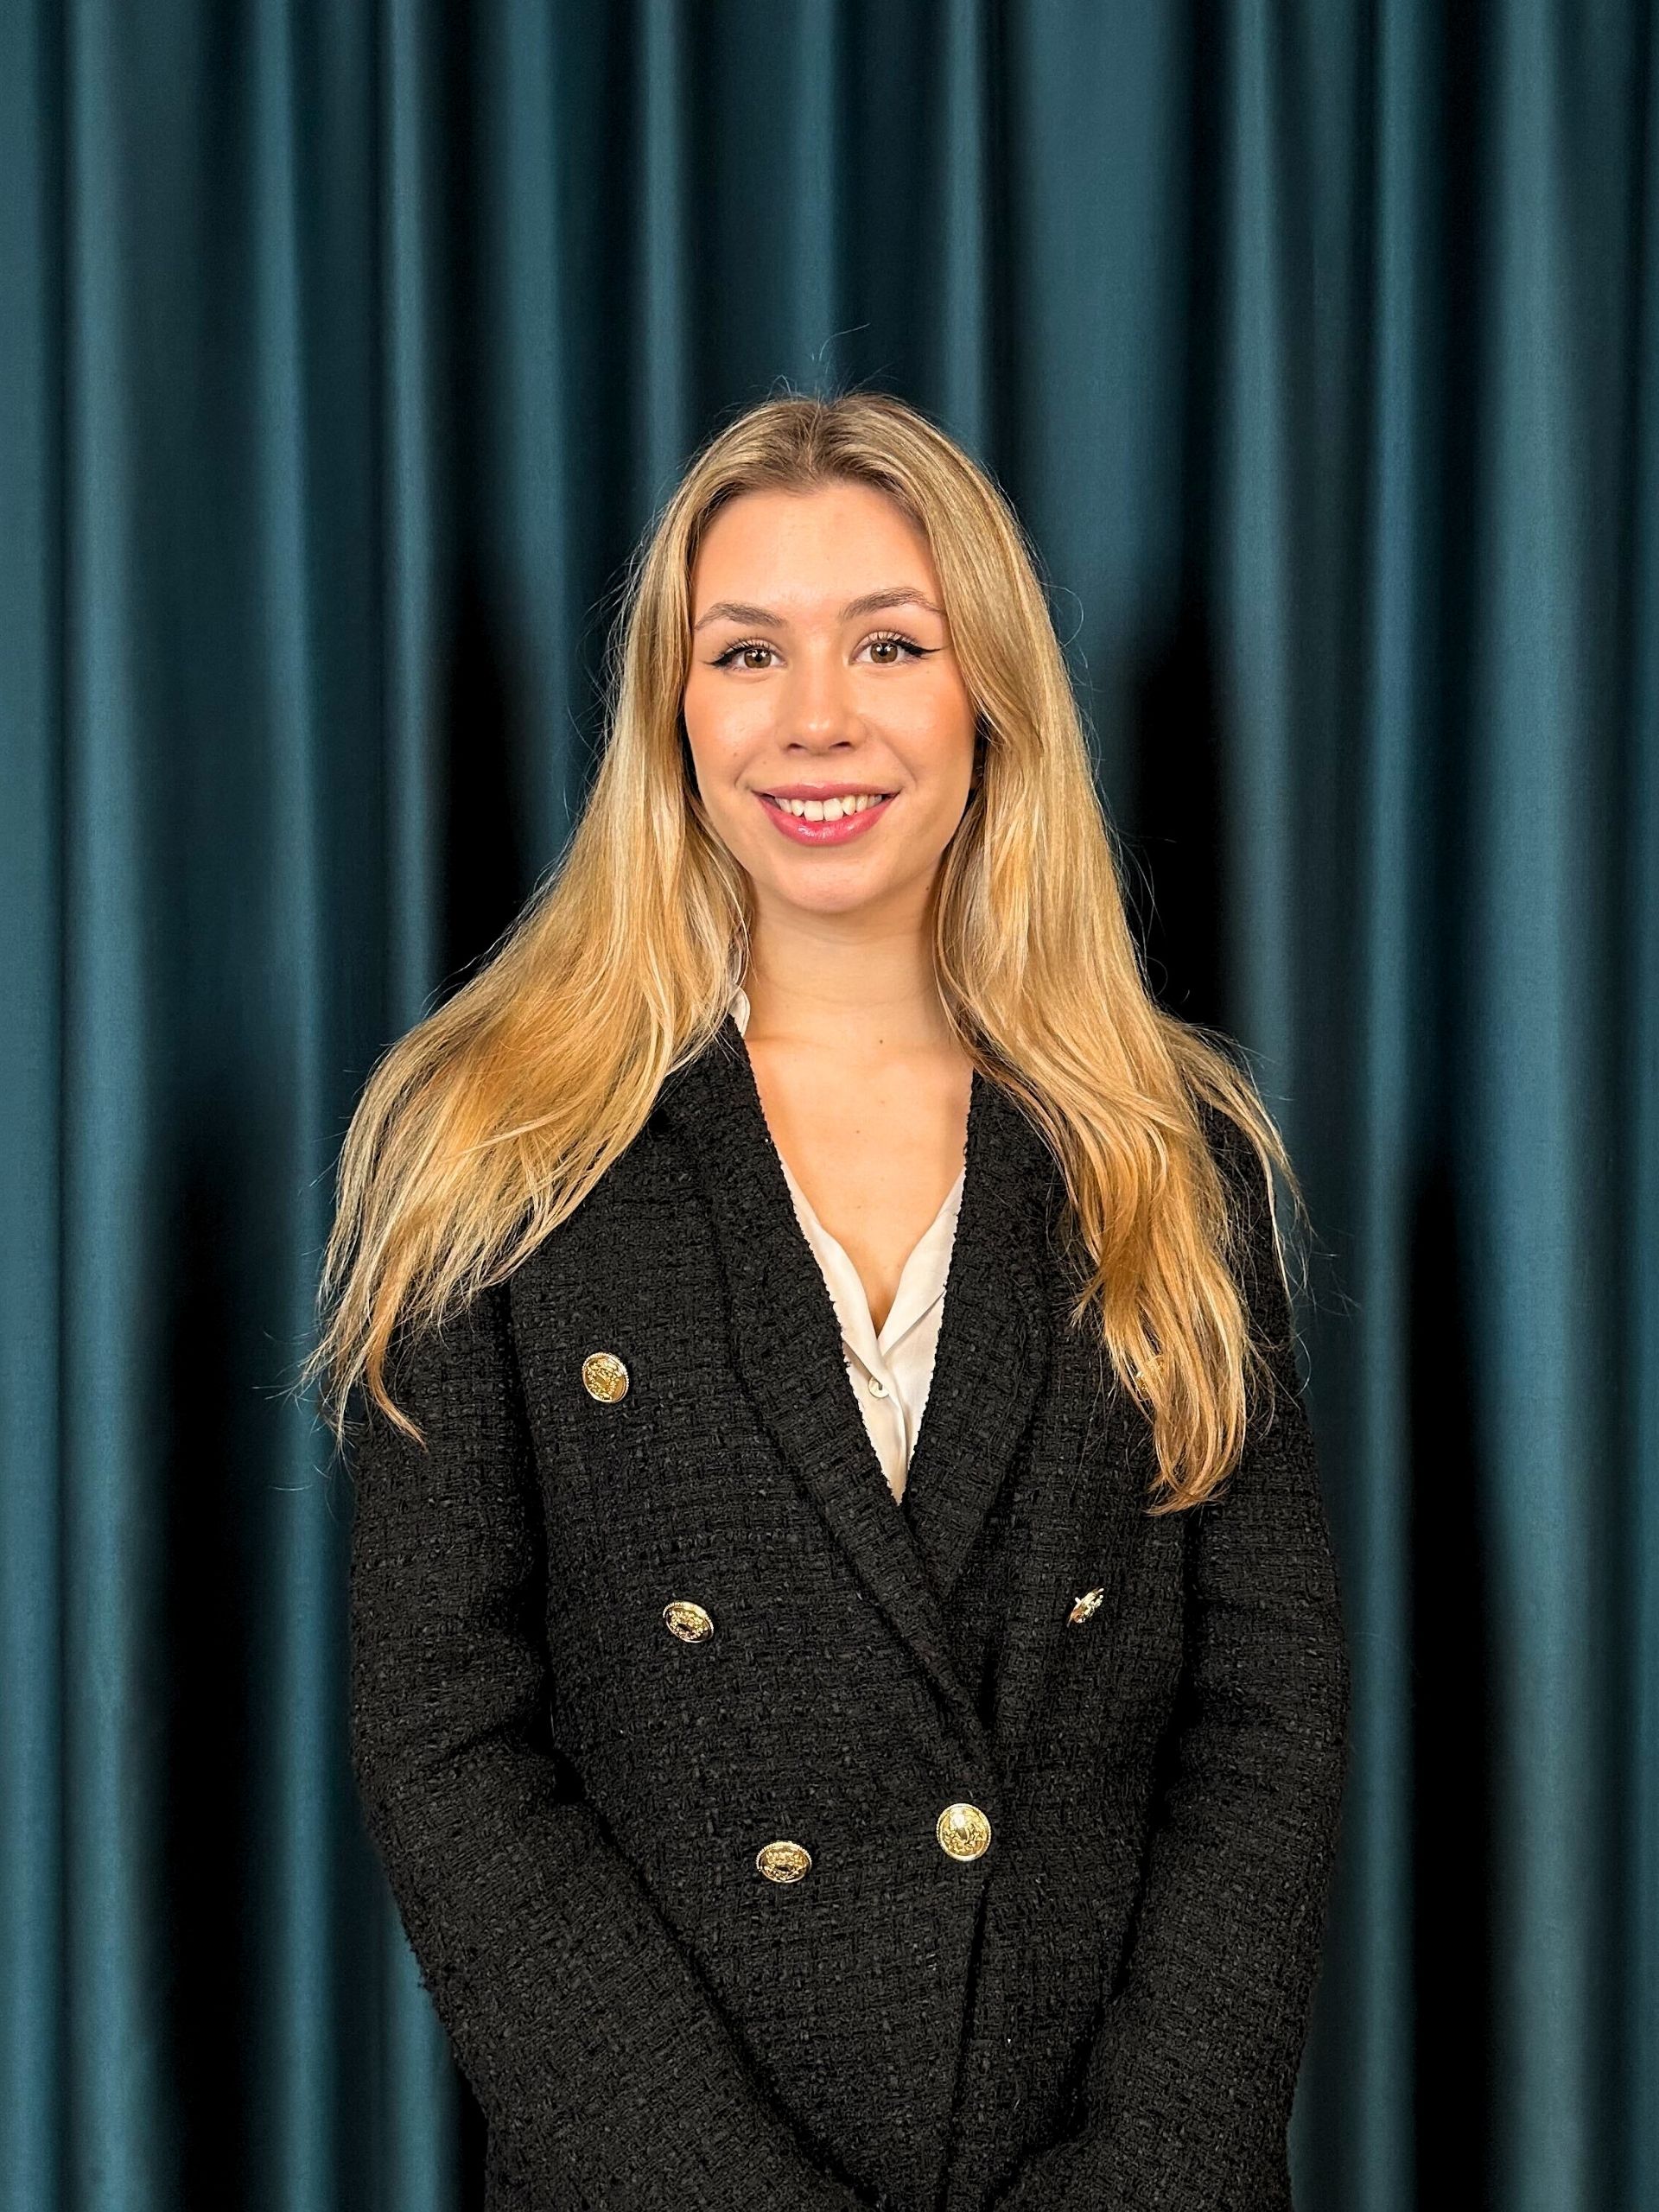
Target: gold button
[(1085, 1606), (688, 1621), (964, 1830), (605, 1377), (783, 1861)]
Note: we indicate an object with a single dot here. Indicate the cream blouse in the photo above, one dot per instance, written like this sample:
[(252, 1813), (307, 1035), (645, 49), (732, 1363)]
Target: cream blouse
[(890, 1372)]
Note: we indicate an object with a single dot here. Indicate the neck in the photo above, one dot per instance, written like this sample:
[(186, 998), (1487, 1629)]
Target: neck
[(864, 991)]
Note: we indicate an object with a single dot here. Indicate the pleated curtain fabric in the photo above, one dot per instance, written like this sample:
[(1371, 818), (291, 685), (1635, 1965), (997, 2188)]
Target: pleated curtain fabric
[(349, 352)]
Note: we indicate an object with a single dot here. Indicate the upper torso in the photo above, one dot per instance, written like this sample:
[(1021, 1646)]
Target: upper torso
[(644, 1437)]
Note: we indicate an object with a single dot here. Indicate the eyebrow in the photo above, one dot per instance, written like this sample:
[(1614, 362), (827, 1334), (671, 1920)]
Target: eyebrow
[(736, 610)]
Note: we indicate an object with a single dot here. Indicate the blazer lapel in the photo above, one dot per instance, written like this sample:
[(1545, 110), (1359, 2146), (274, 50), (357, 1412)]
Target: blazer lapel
[(1009, 1359), (1008, 1356), (989, 1370), (786, 1341)]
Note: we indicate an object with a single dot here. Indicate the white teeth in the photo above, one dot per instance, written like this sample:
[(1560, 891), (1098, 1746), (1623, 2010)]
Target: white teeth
[(829, 810)]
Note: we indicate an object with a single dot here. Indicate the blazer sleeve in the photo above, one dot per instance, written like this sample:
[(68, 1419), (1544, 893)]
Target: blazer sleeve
[(1189, 2087), (592, 2045)]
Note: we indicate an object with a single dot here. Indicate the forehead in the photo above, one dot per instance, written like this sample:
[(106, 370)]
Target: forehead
[(801, 548)]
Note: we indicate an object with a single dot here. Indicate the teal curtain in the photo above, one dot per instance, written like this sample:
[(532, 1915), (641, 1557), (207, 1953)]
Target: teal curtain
[(347, 351)]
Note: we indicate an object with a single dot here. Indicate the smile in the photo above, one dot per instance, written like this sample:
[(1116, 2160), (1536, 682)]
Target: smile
[(825, 821)]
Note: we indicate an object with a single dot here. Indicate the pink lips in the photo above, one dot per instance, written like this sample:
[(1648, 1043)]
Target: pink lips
[(803, 832)]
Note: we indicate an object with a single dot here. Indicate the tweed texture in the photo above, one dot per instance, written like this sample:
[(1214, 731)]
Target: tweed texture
[(1108, 2008)]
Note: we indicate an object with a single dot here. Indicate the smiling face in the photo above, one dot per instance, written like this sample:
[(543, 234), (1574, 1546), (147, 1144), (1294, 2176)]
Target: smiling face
[(831, 732)]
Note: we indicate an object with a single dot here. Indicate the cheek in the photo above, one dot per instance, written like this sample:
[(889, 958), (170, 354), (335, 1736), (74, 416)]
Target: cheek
[(720, 729), (937, 747), (935, 719)]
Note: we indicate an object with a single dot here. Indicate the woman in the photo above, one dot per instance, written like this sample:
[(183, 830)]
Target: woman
[(848, 1683)]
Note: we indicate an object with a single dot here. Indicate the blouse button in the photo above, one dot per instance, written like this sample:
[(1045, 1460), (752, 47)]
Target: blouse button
[(878, 1387)]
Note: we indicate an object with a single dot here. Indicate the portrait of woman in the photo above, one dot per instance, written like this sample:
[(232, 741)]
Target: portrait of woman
[(848, 1683)]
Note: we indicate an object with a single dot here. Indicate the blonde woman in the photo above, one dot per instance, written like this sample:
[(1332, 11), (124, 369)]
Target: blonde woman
[(848, 1681)]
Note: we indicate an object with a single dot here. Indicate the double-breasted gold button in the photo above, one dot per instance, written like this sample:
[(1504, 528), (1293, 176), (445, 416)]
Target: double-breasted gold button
[(783, 1861), (964, 1830), (683, 1617), (1085, 1606), (605, 1377)]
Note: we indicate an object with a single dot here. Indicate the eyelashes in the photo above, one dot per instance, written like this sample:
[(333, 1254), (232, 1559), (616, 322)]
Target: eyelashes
[(882, 637)]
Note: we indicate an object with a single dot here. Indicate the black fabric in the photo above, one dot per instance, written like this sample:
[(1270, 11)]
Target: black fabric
[(1108, 2008)]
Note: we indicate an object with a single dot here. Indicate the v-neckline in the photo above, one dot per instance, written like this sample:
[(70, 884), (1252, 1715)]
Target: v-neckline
[(904, 1293), (953, 1346), (956, 1196)]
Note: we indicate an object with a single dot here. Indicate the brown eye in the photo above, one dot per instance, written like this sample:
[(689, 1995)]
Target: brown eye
[(743, 646), (908, 645)]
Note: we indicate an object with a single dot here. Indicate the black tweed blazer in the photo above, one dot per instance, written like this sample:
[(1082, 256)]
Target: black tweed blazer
[(1107, 2006)]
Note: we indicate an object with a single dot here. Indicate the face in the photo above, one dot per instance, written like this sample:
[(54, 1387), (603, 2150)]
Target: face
[(803, 688)]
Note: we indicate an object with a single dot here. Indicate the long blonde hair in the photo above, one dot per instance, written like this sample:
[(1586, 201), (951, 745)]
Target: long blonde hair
[(484, 1125)]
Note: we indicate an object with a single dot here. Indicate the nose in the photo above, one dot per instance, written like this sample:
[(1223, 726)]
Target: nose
[(818, 700)]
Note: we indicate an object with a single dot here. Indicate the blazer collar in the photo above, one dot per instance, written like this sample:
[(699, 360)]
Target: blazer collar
[(1003, 1295)]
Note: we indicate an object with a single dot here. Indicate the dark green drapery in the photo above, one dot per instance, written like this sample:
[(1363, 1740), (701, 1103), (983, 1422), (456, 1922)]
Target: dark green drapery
[(346, 351)]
